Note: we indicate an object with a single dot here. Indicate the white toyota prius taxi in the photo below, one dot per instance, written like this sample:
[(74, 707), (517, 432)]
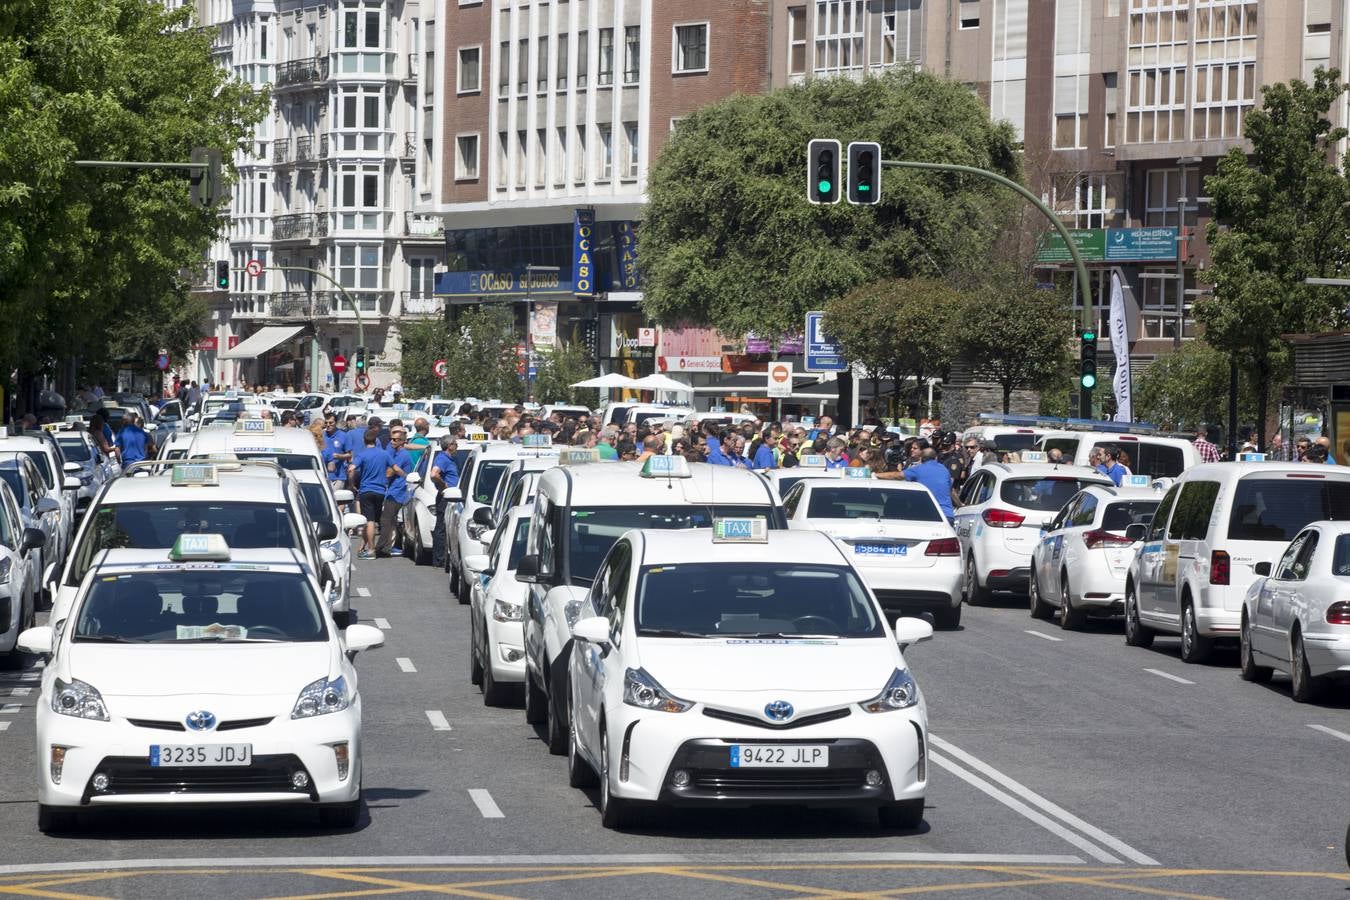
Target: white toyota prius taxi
[(198, 680), (737, 666)]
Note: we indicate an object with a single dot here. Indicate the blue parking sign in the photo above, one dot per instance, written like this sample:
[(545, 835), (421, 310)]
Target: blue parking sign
[(822, 354)]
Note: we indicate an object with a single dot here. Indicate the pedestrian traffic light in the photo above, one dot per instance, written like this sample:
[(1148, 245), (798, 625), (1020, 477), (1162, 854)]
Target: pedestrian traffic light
[(222, 275), (864, 173), (1087, 358), (359, 361), (822, 171)]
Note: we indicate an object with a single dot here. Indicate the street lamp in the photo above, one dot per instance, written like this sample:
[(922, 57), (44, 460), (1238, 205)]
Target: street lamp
[(530, 272)]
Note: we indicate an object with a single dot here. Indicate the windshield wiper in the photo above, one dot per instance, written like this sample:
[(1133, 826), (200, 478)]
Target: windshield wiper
[(784, 635), (229, 640), (671, 632), (108, 639)]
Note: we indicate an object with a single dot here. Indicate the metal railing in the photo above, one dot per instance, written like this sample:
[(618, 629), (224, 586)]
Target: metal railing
[(299, 305), (281, 151), (305, 149), (417, 303), (298, 226), (310, 70), (423, 225), (409, 145)]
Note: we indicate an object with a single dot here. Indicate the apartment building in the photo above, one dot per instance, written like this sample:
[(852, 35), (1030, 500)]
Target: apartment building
[(325, 197)]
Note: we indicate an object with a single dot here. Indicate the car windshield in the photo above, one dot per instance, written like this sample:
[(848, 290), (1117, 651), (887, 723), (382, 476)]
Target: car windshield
[(754, 599), (1123, 514), (12, 478), (37, 456), (216, 605), (291, 462), (594, 531), (153, 526), (75, 449), (1041, 494), (489, 473), (1276, 509), (839, 502)]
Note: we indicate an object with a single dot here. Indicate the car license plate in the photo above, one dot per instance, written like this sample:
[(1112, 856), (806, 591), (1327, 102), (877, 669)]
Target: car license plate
[(201, 754), (881, 549), (780, 756)]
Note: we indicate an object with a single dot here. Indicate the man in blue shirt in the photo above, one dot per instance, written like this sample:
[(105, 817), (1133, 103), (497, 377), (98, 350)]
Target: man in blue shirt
[(336, 456), (1110, 465), (444, 474), (134, 441), (370, 469), (397, 495), (934, 475), (834, 454)]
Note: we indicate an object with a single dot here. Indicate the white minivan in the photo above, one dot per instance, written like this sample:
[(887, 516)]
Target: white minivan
[(1151, 455), (1213, 526)]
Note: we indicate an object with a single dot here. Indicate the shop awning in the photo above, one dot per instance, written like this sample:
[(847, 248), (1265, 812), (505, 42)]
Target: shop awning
[(261, 341)]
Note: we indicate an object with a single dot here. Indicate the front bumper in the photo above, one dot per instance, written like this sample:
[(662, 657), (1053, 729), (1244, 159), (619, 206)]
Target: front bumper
[(506, 650)]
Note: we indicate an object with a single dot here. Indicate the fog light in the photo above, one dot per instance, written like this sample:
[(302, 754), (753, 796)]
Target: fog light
[(680, 778), (100, 782), (58, 762), (343, 761), (510, 654), (873, 778), (300, 780)]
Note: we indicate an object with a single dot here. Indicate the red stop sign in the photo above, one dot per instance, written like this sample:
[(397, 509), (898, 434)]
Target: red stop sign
[(339, 364)]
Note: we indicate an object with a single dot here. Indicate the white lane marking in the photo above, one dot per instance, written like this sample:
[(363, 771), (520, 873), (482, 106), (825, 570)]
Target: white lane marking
[(1018, 806), (437, 719), (405, 664), (21, 691), (4, 726), (1053, 809), (9, 709), (1169, 676), (363, 592), (253, 862), (486, 805), (382, 624), (1331, 731), (1043, 636)]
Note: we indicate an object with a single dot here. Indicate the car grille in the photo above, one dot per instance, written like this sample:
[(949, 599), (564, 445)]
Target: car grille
[(236, 724), (777, 780), (135, 775), (171, 725), (813, 719)]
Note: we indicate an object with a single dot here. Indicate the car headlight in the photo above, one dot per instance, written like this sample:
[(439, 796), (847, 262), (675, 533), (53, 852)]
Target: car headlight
[(901, 692), (503, 611), (322, 697), (6, 566), (643, 691), (79, 699)]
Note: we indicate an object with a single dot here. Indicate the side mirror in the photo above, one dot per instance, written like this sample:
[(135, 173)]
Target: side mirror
[(72, 467), (33, 539), (478, 563), (353, 521), (362, 637), (413, 478), (37, 640), (71, 483), (483, 516), (1136, 531), (342, 495), (595, 630), (1262, 568), (527, 570), (452, 494), (325, 530), (48, 505), (910, 631), (49, 579), (151, 426)]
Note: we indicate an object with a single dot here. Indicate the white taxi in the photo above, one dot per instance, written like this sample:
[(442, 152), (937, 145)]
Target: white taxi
[(203, 678), (733, 666), (497, 611), (896, 534), (811, 466)]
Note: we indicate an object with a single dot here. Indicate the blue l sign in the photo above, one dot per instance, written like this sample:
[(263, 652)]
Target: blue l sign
[(822, 354)]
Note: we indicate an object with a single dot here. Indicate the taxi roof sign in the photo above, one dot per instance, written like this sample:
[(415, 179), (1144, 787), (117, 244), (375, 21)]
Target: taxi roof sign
[(536, 441), (578, 456), (194, 475), (813, 461), (1251, 457), (740, 531), (1033, 456), (1139, 481), (200, 548), (253, 426), (660, 466), (860, 472)]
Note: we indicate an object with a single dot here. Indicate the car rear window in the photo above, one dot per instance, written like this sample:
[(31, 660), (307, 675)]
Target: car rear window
[(1018, 442), (1041, 494), (1340, 560), (1277, 509), (1152, 459), (1124, 513), (872, 503)]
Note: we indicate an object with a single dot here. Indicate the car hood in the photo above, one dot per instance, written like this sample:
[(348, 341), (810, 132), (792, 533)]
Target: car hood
[(239, 670), (691, 667)]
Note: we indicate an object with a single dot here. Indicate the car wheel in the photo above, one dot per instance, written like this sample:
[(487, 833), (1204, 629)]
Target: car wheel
[(1247, 659), (1194, 647), (1070, 619), (535, 709), (615, 812), (974, 593), (494, 692), (1039, 608), (475, 661), (340, 815), (579, 772), (1303, 686), (557, 728), (905, 815), (464, 588), (1136, 633), (948, 617), (55, 819)]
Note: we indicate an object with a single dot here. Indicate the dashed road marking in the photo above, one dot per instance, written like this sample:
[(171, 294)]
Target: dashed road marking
[(4, 726), (21, 691), (486, 805), (382, 624), (1169, 676), (363, 592), (1331, 731), (9, 709), (405, 664), (1043, 636), (437, 719)]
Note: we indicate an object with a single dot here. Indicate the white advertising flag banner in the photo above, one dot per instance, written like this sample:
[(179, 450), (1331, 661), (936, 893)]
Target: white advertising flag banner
[(1120, 345)]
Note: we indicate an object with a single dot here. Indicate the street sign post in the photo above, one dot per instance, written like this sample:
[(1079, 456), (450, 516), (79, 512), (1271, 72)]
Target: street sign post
[(339, 364), (822, 354), (362, 381), (253, 268), (440, 368), (780, 380)]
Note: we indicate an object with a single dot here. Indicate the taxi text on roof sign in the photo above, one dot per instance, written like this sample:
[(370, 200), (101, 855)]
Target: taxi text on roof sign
[(740, 531), (812, 461), (200, 548), (253, 426), (857, 472), (194, 475), (535, 441), (577, 457), (666, 467)]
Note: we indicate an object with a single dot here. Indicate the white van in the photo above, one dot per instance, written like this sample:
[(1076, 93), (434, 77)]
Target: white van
[(1211, 529), (622, 413), (1151, 455)]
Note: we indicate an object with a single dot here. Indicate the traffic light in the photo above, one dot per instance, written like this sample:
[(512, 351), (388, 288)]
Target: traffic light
[(222, 275), (1087, 357), (206, 181), (359, 360), (864, 173), (822, 171)]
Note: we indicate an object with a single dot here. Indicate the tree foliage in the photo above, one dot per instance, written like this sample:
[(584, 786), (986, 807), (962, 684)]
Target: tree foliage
[(83, 248), (479, 350), (730, 240), (1190, 387), (1015, 334), (1280, 216), (560, 368)]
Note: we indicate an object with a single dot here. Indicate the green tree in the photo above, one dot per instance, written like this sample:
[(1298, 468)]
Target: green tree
[(422, 344), (560, 368), (1190, 387), (1280, 216), (479, 350), (1014, 333)]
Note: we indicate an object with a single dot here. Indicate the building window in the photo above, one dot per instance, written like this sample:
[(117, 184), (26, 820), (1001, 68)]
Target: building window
[(691, 48), (522, 66), (522, 157), (1073, 19), (606, 132), (1110, 104), (560, 156), (1160, 287), (541, 71), (359, 266), (1225, 66), (1162, 193), (504, 70), (969, 14), (362, 26), (262, 193), (1155, 102), (421, 277), (541, 158), (839, 35), (466, 157), (583, 57), (1071, 111), (797, 40), (359, 187), (1088, 200), (579, 156), (630, 130), (470, 69), (632, 54), (605, 76), (503, 148), (561, 62), (1008, 79), (901, 35)]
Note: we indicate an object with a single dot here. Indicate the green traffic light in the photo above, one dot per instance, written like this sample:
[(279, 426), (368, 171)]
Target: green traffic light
[(824, 187), (865, 187), (1089, 381), (1089, 335)]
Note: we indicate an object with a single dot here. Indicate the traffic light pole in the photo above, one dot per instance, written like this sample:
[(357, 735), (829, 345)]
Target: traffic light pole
[(1084, 287), (360, 328)]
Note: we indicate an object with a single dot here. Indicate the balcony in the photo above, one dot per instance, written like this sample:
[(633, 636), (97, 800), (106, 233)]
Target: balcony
[(310, 71), (298, 305), (422, 225), (417, 305), (281, 151), (307, 149), (299, 226)]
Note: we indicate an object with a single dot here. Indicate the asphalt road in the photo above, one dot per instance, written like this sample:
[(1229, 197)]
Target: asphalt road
[(1066, 765)]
